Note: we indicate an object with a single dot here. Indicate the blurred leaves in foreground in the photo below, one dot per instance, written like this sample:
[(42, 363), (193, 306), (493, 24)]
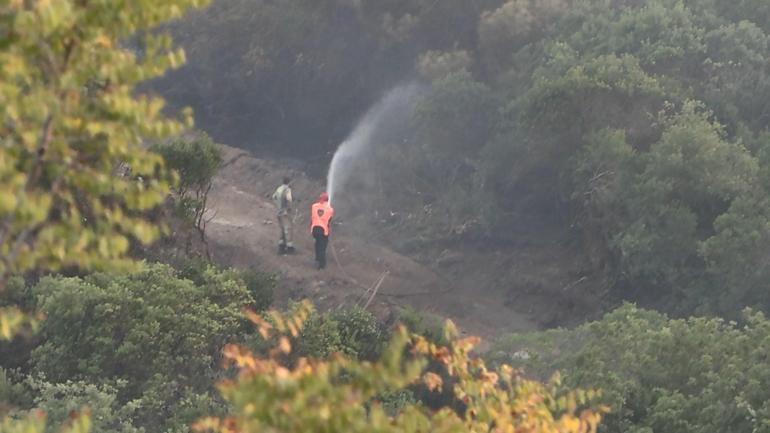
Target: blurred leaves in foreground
[(339, 394)]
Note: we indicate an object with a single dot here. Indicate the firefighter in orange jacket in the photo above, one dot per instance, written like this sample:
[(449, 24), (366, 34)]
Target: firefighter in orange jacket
[(321, 214)]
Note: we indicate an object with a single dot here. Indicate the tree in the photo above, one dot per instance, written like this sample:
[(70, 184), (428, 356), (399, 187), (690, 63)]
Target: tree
[(693, 375), (339, 394), (74, 175), (604, 171), (352, 331), (689, 178), (107, 414), (196, 161), (157, 335)]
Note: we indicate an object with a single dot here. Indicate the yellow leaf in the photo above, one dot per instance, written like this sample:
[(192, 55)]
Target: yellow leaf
[(284, 345), (8, 201), (103, 41), (571, 424), (324, 412), (450, 330), (432, 381)]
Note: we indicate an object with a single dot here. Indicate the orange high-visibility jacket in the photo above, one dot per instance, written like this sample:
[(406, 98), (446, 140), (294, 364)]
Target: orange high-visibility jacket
[(320, 215)]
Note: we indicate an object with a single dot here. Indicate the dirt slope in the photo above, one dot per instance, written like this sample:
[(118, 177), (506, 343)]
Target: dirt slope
[(243, 233)]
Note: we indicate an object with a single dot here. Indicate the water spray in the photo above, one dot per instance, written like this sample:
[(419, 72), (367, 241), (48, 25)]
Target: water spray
[(397, 102), (392, 111)]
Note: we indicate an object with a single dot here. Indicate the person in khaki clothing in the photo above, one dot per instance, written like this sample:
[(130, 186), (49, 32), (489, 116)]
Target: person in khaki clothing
[(282, 198)]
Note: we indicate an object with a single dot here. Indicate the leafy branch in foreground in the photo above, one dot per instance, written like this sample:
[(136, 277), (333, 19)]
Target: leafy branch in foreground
[(340, 394), (75, 176)]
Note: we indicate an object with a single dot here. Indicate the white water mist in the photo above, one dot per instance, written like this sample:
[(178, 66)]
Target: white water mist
[(396, 103)]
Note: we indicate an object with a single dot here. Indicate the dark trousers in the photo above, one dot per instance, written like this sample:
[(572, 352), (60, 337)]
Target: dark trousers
[(321, 241)]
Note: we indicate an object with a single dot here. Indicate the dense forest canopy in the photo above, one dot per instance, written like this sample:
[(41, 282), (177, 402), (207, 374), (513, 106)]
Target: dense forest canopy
[(635, 132), (640, 124), (294, 76)]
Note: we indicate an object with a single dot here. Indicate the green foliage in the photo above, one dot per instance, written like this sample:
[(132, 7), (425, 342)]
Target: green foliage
[(75, 179), (107, 414), (661, 217), (74, 176), (295, 76), (736, 254), (686, 181), (437, 65), (352, 331), (549, 102), (36, 423), (156, 335), (361, 335), (337, 394), (454, 122), (196, 161), (457, 116), (604, 170), (738, 80), (12, 393), (261, 287), (754, 11), (660, 374), (425, 324), (319, 338), (574, 95), (509, 28), (665, 35), (394, 402), (194, 269), (13, 321), (529, 101)]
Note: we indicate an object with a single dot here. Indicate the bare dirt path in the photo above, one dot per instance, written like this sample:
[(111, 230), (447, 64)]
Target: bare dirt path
[(243, 233)]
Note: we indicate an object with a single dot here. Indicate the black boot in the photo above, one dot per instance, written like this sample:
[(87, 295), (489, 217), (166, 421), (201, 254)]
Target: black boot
[(281, 249)]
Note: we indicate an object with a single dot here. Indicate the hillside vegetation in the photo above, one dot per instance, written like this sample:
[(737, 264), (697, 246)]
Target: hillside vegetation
[(639, 125)]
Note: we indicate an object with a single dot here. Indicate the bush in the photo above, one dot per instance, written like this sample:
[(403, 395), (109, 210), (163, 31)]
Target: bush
[(425, 324), (361, 335), (158, 335), (660, 374), (352, 331), (339, 394), (196, 161), (13, 394), (261, 287), (394, 402), (108, 415)]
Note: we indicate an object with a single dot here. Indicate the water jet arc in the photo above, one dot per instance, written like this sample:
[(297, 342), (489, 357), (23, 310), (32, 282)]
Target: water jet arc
[(396, 103)]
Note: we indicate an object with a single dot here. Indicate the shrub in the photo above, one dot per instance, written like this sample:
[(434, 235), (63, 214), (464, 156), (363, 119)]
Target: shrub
[(319, 338), (660, 374), (13, 393), (158, 335), (196, 161), (394, 402), (425, 324), (261, 287), (361, 335), (108, 415), (353, 332), (337, 395)]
